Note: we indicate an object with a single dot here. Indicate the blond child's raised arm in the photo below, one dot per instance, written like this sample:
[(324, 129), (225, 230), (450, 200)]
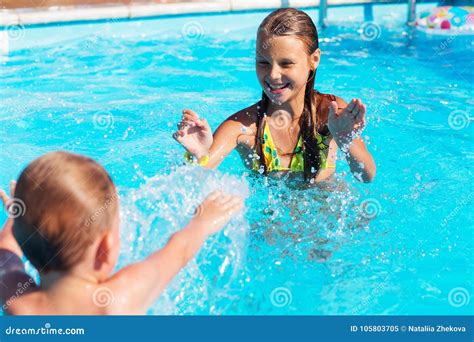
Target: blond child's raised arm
[(140, 284)]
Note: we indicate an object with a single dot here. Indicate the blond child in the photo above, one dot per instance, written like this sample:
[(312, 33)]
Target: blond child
[(66, 223)]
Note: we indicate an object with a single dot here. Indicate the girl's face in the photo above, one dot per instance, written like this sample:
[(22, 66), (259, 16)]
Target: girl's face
[(283, 66)]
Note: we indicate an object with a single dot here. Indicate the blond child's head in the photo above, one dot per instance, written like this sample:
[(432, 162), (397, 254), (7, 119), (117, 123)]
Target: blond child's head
[(71, 214)]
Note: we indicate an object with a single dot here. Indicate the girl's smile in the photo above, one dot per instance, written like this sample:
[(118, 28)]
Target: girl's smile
[(283, 67), (277, 89)]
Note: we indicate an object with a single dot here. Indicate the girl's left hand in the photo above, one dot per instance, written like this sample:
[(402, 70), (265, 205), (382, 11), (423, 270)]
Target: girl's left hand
[(347, 123)]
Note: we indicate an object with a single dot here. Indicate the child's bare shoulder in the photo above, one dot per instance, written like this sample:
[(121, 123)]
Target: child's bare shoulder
[(246, 116), (244, 123), (326, 98), (126, 288), (340, 101), (240, 125), (33, 303), (250, 112)]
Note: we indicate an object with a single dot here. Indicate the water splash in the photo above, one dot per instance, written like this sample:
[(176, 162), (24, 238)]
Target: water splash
[(165, 204)]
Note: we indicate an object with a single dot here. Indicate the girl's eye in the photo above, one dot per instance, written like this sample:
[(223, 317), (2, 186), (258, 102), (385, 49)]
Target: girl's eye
[(262, 62), (287, 64)]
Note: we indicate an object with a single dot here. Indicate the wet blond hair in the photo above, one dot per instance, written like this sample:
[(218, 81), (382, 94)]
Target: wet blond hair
[(68, 201)]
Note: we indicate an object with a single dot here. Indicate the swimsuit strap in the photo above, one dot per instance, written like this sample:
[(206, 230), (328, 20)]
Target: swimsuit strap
[(270, 153), (266, 150)]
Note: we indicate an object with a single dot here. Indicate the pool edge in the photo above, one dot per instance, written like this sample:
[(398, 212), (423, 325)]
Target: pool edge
[(73, 14)]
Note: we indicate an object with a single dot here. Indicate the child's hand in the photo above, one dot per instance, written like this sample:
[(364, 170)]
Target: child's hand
[(7, 241), (194, 134), (4, 196), (153, 274), (348, 123), (216, 210), (6, 201)]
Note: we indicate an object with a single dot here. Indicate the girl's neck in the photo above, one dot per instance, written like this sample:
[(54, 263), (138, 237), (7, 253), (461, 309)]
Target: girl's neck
[(294, 106)]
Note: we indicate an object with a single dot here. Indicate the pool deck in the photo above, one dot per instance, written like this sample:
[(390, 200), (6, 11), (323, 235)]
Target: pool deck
[(95, 10)]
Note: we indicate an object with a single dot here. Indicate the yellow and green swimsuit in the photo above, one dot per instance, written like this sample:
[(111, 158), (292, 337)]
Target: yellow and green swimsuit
[(272, 161)]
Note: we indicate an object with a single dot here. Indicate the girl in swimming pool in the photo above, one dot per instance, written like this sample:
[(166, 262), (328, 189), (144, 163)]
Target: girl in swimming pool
[(293, 127)]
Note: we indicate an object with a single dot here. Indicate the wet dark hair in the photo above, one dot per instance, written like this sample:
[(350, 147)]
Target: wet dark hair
[(292, 22)]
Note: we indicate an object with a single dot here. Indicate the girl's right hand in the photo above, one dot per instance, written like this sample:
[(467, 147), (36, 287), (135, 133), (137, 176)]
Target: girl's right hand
[(194, 134)]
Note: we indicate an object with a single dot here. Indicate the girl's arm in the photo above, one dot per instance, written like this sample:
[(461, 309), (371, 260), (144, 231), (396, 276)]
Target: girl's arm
[(360, 161), (346, 122), (225, 139), (236, 129), (210, 150)]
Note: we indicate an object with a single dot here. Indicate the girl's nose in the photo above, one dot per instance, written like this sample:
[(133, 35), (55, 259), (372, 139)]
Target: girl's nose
[(275, 73)]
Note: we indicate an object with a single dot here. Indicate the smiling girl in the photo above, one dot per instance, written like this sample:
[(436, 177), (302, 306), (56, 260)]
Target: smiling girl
[(293, 128)]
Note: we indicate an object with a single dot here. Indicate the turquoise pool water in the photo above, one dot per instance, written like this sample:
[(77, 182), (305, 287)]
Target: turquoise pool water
[(400, 245)]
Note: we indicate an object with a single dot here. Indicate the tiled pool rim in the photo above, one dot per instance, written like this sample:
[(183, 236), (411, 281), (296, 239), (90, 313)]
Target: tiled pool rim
[(68, 14)]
